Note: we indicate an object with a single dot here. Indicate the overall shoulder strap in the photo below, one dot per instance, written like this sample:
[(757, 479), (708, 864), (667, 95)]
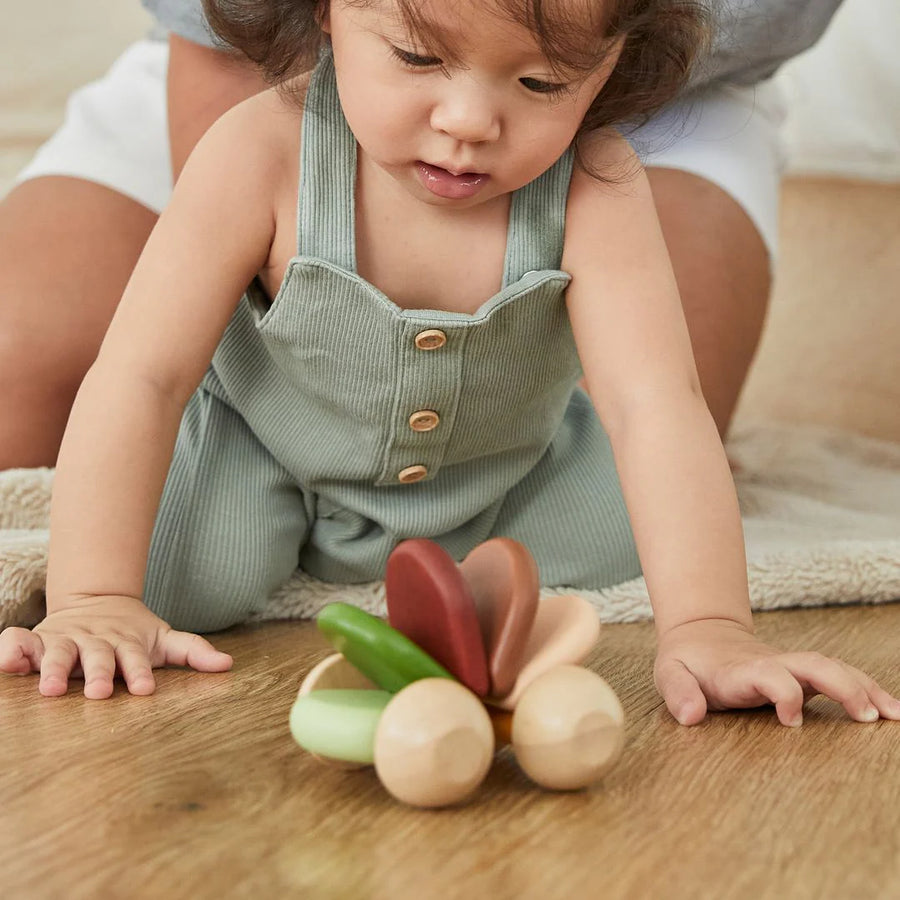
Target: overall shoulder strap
[(325, 203), (537, 220)]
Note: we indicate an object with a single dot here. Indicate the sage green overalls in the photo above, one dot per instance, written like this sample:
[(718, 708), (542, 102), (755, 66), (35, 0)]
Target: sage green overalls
[(333, 424)]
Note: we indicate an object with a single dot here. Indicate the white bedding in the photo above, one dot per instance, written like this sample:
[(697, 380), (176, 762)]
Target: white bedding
[(821, 512)]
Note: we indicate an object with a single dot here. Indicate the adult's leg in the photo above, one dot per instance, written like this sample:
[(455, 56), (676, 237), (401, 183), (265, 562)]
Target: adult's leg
[(67, 248), (70, 234), (68, 244), (714, 164), (722, 267)]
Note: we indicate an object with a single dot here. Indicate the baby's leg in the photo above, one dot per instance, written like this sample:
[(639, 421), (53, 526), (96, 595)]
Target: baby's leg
[(569, 509), (230, 526)]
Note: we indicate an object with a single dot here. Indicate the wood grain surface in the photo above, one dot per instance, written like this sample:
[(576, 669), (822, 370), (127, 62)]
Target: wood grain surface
[(199, 791)]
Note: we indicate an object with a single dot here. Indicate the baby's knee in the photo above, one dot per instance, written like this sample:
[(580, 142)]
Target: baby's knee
[(207, 585), (203, 602), (594, 565)]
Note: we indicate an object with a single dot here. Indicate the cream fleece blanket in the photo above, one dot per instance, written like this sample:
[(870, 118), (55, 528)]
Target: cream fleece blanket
[(821, 514)]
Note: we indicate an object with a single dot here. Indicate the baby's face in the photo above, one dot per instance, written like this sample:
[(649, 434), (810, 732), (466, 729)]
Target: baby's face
[(470, 110)]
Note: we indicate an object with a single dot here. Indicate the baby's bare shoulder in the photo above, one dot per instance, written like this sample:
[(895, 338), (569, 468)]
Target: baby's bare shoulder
[(263, 131)]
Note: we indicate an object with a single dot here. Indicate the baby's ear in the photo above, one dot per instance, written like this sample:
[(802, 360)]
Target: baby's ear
[(323, 15)]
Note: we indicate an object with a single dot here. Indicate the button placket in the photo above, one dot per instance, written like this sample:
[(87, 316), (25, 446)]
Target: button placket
[(428, 385), (422, 420)]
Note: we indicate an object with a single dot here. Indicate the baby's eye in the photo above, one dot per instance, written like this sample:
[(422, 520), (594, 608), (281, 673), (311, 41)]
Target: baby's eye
[(414, 59), (536, 86)]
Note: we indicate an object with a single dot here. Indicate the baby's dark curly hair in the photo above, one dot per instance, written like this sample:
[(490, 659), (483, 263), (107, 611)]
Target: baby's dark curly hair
[(660, 39)]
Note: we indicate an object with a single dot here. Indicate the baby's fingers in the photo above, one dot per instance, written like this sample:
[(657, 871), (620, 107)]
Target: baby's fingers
[(181, 648), (681, 691), (777, 685), (888, 706), (60, 657), (134, 664), (98, 664), (20, 651), (834, 679)]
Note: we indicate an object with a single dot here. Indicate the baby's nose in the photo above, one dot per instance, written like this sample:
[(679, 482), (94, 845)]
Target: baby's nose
[(466, 114)]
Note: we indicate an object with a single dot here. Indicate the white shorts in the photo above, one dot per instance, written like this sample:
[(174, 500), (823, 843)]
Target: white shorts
[(115, 134), (729, 135)]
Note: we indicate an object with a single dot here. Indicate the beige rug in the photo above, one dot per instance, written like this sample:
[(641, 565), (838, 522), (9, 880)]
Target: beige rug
[(821, 515)]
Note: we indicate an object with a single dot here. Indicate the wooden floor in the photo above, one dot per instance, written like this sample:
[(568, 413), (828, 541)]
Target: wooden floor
[(200, 792)]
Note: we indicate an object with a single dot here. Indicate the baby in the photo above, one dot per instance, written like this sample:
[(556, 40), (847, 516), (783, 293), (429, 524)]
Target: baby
[(363, 317)]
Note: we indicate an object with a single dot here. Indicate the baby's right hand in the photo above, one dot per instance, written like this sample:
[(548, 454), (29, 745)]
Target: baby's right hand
[(104, 635)]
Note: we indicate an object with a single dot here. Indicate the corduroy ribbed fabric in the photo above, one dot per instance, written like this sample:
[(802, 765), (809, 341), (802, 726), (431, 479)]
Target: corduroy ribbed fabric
[(290, 451)]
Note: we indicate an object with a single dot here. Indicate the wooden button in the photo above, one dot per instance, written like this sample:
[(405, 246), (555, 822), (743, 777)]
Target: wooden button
[(424, 420), (411, 474), (431, 339)]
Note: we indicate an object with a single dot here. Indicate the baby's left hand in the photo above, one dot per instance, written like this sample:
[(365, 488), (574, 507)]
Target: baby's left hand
[(717, 664)]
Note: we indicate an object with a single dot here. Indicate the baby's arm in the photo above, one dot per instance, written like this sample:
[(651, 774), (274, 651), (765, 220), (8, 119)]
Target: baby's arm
[(638, 364), (208, 245)]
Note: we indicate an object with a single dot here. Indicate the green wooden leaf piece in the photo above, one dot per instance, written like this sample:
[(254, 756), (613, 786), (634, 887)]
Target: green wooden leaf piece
[(382, 653)]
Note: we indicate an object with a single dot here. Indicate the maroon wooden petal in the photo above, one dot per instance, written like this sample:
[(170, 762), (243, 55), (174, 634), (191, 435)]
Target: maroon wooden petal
[(429, 601)]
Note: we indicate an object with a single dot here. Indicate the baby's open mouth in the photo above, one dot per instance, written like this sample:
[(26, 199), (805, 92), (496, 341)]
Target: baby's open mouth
[(444, 183)]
